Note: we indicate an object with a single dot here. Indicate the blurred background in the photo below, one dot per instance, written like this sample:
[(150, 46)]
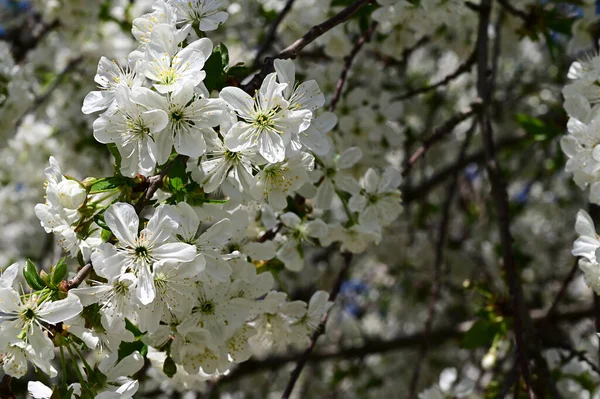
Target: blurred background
[(417, 74)]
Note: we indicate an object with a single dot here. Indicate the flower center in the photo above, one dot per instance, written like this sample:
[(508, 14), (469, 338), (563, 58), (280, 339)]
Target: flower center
[(264, 121), (207, 307), (168, 76), (29, 314), (137, 128)]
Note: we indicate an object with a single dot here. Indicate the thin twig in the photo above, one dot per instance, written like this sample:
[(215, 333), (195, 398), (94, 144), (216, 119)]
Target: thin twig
[(462, 69), (514, 11), (80, 276), (295, 48), (579, 355), (410, 194), (439, 133), (563, 288), (348, 64), (272, 33), (500, 195), (39, 100), (154, 183), (437, 269), (320, 330), (438, 336)]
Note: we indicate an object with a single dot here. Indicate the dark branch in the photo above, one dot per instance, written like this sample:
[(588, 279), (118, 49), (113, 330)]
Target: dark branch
[(82, 274), (437, 269), (438, 134), (410, 194), (295, 48), (154, 183), (463, 68), (320, 330), (439, 336), (271, 34), (348, 64)]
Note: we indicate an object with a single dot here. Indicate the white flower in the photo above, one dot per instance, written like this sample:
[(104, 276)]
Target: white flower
[(242, 244), (175, 287), (318, 306), (273, 324), (54, 216), (117, 385), (354, 239), (170, 67), (217, 309), (196, 350), (134, 128), (190, 119), (115, 296), (206, 14), (299, 231), (333, 176), (212, 268), (139, 253), (31, 314), (380, 203), (71, 194), (582, 146), (587, 248), (38, 390), (15, 356), (307, 95), (237, 344), (276, 181), (163, 13), (266, 123), (110, 74)]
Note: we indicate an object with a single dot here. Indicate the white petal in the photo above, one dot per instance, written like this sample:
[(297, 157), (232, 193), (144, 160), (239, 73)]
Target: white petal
[(349, 158), (290, 219), (38, 390), (55, 312), (123, 221)]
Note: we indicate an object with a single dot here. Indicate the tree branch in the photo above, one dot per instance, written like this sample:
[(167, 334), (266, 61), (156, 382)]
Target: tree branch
[(500, 197), (348, 64), (410, 194), (81, 275), (563, 288), (320, 330), (270, 38), (438, 336), (463, 68), (295, 48), (154, 183), (437, 269), (439, 133)]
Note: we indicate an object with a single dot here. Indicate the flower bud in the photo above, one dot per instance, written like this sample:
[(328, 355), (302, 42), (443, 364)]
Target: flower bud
[(71, 194), (488, 361)]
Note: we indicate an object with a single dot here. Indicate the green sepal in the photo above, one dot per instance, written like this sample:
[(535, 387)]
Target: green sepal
[(32, 276)]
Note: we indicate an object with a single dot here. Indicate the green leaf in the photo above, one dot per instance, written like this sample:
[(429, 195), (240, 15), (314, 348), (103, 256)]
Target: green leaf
[(177, 177), (105, 235), (32, 277), (481, 334), (224, 51), (169, 367), (216, 67), (110, 183), (127, 348), (112, 147), (58, 272), (238, 71)]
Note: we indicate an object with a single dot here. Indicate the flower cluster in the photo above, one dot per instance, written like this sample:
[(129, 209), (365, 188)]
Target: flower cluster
[(215, 193)]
